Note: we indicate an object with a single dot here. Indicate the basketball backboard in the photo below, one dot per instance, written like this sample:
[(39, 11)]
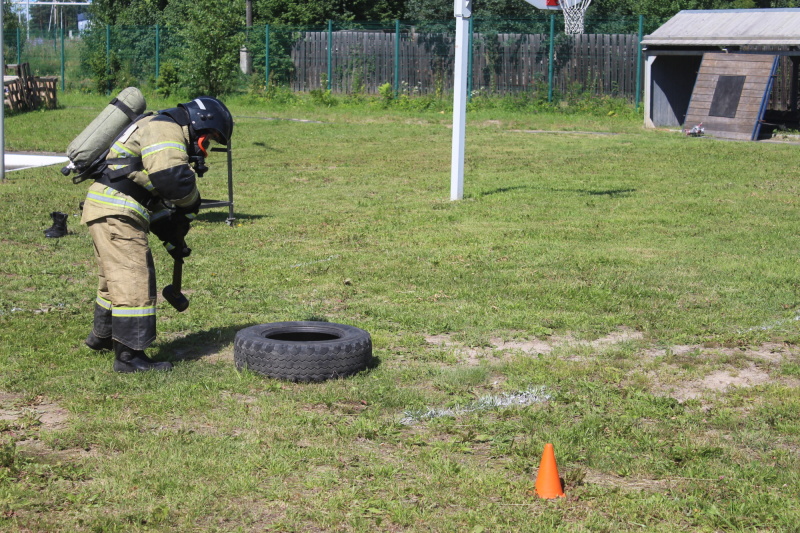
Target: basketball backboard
[(544, 4)]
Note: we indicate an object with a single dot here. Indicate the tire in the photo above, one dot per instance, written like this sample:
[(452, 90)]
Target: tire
[(302, 351)]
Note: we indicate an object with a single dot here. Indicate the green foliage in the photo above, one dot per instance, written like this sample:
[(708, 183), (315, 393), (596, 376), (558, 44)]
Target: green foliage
[(104, 69), (11, 25), (211, 37), (8, 456), (386, 92), (323, 97), (312, 12), (128, 12), (169, 81), (280, 95)]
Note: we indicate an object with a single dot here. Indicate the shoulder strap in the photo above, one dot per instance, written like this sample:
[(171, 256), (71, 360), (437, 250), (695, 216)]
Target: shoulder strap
[(125, 109)]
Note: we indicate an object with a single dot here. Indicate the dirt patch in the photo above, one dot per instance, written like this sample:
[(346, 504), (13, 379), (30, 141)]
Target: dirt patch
[(24, 418), (592, 477), (499, 348), (36, 448), (15, 409), (721, 381), (726, 368)]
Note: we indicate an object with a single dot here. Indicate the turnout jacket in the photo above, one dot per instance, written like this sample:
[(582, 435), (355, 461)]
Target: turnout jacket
[(164, 172)]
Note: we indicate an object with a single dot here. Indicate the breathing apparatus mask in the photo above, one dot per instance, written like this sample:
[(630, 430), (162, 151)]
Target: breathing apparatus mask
[(198, 153), (208, 120)]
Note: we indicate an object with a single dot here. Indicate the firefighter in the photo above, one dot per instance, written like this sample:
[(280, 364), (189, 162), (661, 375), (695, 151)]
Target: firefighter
[(148, 185)]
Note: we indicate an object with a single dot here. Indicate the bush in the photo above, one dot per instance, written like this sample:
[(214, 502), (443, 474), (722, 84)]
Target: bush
[(168, 82), (387, 94), (323, 98)]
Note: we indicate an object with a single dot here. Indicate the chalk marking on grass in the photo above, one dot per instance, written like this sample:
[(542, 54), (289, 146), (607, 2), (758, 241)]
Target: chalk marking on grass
[(768, 327), (43, 309), (528, 396)]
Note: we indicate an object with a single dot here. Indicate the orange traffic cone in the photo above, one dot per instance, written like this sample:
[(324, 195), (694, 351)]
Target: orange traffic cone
[(548, 484)]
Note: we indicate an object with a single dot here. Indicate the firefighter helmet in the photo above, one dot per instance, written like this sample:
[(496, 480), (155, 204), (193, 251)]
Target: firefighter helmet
[(208, 114)]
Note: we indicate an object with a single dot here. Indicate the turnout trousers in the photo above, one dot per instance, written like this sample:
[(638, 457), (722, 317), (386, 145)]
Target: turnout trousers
[(125, 308)]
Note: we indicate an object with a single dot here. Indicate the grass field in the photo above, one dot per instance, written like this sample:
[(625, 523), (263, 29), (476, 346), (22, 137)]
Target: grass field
[(644, 282)]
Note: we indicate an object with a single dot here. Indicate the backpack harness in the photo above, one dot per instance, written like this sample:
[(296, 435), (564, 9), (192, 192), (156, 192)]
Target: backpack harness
[(117, 179)]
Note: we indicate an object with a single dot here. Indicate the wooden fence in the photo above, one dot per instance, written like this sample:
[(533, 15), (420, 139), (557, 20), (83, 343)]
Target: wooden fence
[(502, 63)]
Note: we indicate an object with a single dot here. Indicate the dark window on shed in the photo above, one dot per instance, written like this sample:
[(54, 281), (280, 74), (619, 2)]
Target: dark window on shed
[(726, 96)]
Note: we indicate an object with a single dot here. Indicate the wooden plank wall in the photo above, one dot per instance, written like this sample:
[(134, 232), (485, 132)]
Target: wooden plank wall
[(502, 63), (756, 68)]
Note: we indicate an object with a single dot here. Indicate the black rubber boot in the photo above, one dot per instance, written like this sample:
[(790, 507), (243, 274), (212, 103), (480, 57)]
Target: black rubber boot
[(99, 344), (127, 360), (59, 227)]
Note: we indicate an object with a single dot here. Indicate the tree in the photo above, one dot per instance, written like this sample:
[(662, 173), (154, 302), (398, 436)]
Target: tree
[(10, 26), (211, 33), (316, 12), (129, 12)]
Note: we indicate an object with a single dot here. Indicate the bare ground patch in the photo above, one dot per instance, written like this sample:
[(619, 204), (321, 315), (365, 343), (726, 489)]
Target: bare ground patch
[(722, 369), (593, 477), (15, 409), (720, 381), (504, 349), (23, 418)]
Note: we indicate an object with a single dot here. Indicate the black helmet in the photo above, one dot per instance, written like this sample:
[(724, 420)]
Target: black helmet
[(209, 114)]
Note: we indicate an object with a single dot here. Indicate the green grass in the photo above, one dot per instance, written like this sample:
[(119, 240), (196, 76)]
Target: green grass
[(646, 265)]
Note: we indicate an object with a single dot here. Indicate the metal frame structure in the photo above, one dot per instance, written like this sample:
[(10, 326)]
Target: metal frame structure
[(208, 204)]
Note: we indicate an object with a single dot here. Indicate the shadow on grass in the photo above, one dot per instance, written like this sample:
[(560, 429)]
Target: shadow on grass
[(198, 344), (611, 193), (499, 190), (222, 216)]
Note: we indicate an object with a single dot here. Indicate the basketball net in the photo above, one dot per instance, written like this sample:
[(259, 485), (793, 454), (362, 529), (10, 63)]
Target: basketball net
[(574, 10)]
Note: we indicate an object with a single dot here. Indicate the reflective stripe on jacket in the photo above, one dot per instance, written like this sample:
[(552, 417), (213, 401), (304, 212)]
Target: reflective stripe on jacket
[(166, 173)]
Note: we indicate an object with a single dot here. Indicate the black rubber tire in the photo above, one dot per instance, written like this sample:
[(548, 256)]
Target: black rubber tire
[(302, 351)]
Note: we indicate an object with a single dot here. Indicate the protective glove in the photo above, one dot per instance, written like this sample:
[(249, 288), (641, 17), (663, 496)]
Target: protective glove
[(170, 228), (190, 211), (178, 252)]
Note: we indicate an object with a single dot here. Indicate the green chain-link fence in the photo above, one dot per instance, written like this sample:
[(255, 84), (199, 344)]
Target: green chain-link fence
[(506, 56)]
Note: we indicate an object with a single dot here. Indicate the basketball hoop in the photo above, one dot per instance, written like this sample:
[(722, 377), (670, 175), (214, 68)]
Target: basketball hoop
[(574, 10)]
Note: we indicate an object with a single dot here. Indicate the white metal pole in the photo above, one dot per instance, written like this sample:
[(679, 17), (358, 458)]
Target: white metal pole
[(463, 10), (3, 104)]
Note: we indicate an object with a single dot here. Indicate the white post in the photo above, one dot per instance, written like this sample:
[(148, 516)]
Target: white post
[(463, 10), (3, 103), (648, 92)]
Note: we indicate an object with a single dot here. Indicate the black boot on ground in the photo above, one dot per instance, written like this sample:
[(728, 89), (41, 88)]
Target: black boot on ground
[(127, 360), (59, 227), (99, 344)]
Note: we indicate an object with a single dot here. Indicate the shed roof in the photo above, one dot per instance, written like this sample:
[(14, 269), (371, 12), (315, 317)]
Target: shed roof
[(722, 27)]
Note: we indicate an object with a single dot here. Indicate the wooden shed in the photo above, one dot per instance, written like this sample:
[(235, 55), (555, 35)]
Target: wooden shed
[(733, 70)]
